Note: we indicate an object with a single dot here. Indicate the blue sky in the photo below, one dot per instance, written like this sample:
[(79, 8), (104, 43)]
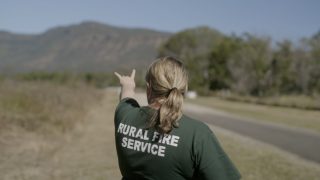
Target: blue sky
[(292, 19)]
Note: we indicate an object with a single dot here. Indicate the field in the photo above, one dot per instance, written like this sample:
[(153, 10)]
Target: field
[(63, 132), (50, 131), (311, 102), (299, 118)]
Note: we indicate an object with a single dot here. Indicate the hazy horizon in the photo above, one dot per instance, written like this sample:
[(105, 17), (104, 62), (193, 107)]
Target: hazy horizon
[(278, 20)]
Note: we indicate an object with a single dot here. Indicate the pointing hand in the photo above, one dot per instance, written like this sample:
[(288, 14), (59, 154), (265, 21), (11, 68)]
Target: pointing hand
[(127, 82)]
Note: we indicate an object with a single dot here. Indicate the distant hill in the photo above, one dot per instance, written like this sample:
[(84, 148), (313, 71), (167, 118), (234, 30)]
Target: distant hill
[(85, 47)]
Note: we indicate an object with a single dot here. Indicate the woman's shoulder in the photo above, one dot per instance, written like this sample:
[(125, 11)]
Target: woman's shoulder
[(193, 124), (125, 108)]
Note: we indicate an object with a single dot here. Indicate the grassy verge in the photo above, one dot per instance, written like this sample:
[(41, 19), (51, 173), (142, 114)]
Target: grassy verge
[(300, 118), (311, 102), (42, 126), (257, 160), (43, 107)]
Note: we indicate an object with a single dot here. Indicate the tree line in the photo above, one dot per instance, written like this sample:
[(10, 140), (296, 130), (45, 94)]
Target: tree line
[(247, 64)]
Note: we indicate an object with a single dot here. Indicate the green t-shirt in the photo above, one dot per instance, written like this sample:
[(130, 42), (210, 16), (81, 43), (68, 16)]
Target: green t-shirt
[(190, 151)]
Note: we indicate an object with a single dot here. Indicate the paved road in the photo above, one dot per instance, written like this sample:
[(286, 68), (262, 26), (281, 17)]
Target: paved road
[(302, 143)]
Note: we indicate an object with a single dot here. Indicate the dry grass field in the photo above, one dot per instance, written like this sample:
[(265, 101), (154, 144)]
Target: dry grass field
[(72, 137), (49, 131)]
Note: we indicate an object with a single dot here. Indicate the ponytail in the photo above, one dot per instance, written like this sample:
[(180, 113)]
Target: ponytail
[(168, 80), (170, 111)]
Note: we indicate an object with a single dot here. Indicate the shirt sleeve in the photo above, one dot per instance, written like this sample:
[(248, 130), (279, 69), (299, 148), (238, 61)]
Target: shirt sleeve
[(124, 106), (211, 160)]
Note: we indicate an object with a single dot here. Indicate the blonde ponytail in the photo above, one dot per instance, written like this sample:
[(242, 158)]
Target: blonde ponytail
[(168, 82)]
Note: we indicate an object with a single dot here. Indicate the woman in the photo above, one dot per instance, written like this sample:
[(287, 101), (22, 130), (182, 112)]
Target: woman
[(159, 142)]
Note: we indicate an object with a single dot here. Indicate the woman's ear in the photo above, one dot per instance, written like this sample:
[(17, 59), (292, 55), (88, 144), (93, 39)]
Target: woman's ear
[(148, 88)]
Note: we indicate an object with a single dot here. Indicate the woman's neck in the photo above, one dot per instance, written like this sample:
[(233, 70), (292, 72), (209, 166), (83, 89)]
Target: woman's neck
[(155, 105)]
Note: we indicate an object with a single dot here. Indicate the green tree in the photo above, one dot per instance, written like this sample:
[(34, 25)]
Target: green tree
[(219, 74), (193, 46), (282, 73), (314, 43), (250, 66)]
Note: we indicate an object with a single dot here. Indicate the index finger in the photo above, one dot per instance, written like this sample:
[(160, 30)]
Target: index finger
[(133, 74), (117, 74)]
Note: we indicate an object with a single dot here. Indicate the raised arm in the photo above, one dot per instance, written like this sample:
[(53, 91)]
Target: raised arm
[(127, 84)]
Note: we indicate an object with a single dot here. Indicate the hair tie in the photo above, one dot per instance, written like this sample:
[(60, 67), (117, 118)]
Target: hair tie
[(174, 88)]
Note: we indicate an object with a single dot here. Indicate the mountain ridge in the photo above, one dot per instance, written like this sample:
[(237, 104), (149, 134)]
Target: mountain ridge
[(84, 47)]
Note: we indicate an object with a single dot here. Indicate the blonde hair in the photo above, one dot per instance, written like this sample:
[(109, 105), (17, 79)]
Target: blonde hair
[(168, 82)]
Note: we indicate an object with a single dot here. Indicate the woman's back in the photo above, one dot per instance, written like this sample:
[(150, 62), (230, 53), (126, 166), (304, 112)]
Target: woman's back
[(190, 151), (158, 141)]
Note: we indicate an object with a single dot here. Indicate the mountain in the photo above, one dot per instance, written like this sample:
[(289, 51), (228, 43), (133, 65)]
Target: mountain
[(84, 47)]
